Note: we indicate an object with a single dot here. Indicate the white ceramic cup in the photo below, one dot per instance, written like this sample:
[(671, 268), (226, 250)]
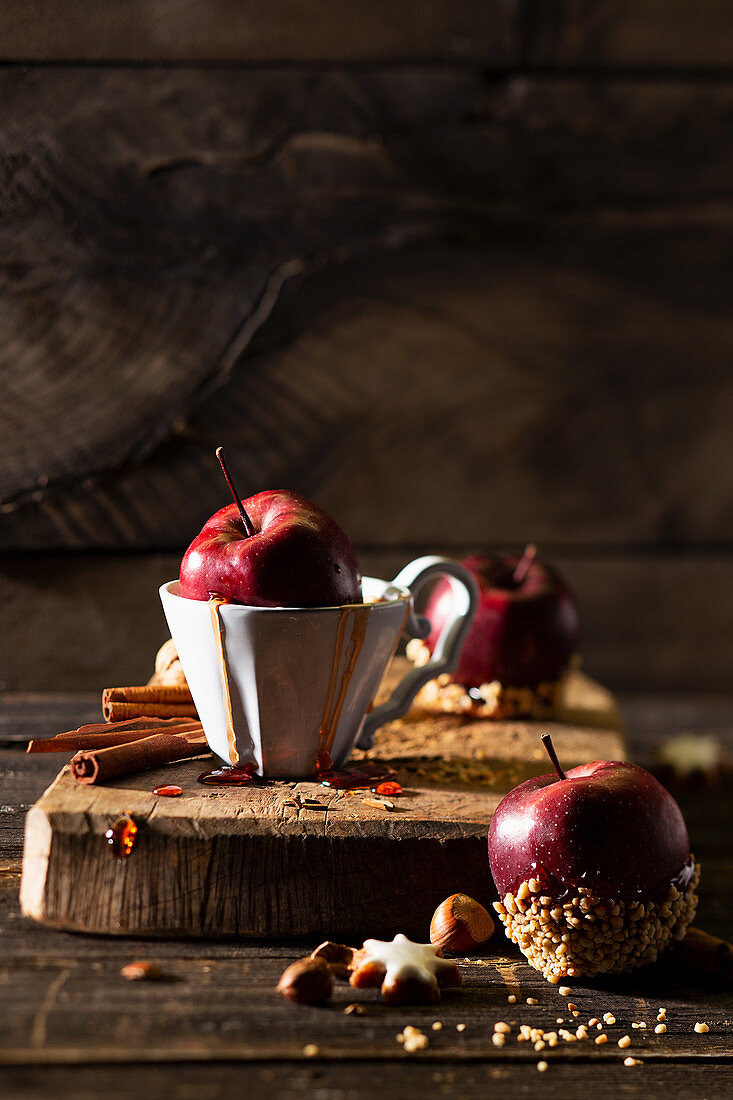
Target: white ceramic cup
[(301, 680)]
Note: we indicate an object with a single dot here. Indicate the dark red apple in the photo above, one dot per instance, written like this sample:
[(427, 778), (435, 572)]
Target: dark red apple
[(604, 839), (608, 825), (297, 556), (525, 629)]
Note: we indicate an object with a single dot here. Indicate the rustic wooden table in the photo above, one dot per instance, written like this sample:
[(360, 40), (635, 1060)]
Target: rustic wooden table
[(72, 1027)]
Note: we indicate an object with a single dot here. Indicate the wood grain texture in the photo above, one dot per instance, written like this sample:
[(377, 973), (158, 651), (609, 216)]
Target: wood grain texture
[(154, 217), (252, 1024), (409, 1079), (82, 620), (633, 451), (610, 33), (668, 33), (227, 30), (227, 861), (78, 1031)]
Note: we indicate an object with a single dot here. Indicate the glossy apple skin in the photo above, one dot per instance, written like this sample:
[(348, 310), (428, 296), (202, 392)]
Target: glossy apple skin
[(297, 557), (521, 635), (610, 826)]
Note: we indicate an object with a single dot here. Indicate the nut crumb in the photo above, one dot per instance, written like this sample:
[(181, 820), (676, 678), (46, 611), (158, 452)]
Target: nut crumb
[(531, 1000), (600, 1039), (311, 1050), (609, 1018), (498, 1039), (503, 1027), (413, 1039), (355, 1010), (633, 1062), (662, 1014), (437, 1026), (701, 1028), (593, 1021), (142, 971), (560, 1020), (541, 1067), (511, 999), (660, 1029), (460, 1027), (624, 1041), (380, 803), (564, 990), (572, 1007)]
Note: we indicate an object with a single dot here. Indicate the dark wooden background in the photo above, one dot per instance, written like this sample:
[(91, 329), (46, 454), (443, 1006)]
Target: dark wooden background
[(460, 271)]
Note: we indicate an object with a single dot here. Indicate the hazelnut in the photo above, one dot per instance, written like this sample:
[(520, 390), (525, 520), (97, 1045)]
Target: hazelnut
[(338, 957), (460, 924), (307, 982)]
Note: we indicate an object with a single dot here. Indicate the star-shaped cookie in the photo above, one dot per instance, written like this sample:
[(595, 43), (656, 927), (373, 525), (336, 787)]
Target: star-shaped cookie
[(407, 972)]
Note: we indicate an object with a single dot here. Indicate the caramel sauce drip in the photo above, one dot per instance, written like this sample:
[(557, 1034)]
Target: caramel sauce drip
[(122, 836), (215, 603), (338, 688)]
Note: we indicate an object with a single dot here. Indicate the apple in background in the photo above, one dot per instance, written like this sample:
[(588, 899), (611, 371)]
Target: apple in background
[(525, 629), (593, 867), (296, 556)]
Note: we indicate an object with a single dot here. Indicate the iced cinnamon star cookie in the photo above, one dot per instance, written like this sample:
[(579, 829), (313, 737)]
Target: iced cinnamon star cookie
[(407, 972)]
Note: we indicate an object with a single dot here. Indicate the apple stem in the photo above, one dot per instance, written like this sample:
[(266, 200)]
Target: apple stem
[(248, 526), (530, 553), (547, 742)]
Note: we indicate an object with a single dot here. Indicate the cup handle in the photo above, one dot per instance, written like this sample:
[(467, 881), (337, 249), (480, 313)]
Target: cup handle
[(448, 646)]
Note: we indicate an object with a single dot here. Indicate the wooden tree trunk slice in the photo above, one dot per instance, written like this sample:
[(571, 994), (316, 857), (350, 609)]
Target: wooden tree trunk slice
[(248, 862)]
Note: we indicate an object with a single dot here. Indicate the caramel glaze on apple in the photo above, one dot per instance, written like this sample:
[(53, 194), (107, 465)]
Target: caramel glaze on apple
[(609, 826)]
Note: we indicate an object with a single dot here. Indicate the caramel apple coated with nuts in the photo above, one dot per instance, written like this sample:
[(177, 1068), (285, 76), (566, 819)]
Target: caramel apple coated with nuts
[(593, 867)]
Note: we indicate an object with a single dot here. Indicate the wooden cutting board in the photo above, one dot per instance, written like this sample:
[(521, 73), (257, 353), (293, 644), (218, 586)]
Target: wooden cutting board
[(246, 862)]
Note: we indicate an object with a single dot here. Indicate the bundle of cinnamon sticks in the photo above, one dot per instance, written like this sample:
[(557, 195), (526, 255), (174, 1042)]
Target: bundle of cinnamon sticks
[(144, 728), (148, 701)]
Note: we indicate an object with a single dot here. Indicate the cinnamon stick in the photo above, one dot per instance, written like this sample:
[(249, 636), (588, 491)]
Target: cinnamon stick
[(105, 734), (99, 765), (147, 701), (704, 955), (115, 711), (148, 693)]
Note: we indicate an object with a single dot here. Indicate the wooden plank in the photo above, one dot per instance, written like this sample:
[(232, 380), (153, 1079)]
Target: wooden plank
[(634, 448), (78, 1010), (223, 861), (603, 34), (409, 1079), (25, 716), (225, 31), (78, 1029), (82, 620), (163, 210)]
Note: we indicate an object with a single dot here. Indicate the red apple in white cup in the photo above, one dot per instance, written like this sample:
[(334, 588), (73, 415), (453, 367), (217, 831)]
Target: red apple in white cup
[(296, 556), (526, 627), (593, 867)]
